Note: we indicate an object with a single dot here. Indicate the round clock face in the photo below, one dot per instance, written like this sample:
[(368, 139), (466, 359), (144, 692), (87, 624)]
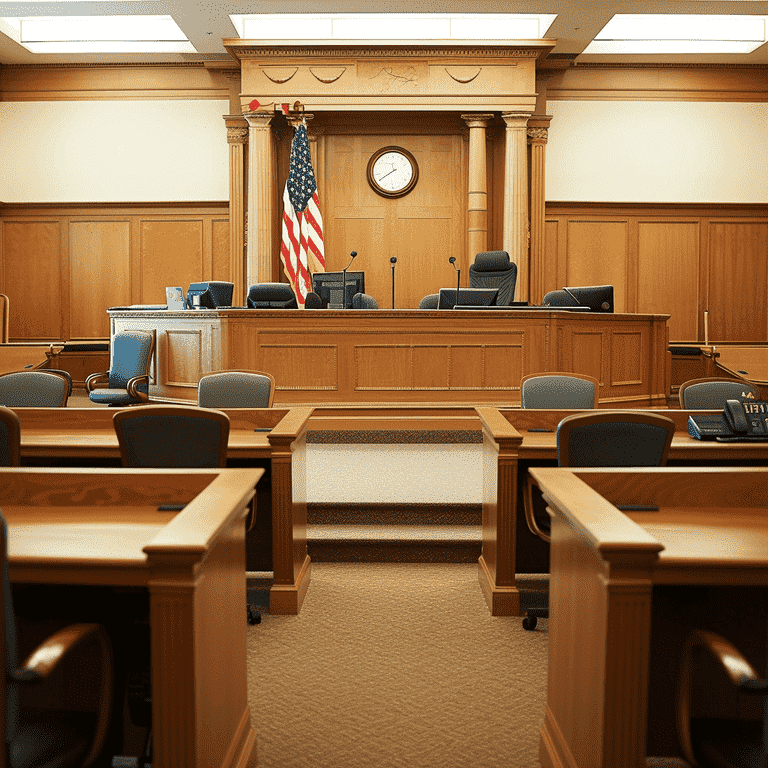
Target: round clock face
[(392, 172)]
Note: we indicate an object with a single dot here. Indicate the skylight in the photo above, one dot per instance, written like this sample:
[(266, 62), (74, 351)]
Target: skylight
[(446, 27), (97, 34), (679, 33)]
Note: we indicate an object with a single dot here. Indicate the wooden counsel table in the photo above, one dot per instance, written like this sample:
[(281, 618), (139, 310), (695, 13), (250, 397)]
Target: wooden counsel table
[(626, 588), (104, 527), (404, 356), (277, 435), (510, 448)]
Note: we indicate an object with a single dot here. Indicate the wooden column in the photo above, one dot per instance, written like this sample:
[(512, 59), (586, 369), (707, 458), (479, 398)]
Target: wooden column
[(538, 130), (261, 173), (237, 136), (516, 197), (477, 194)]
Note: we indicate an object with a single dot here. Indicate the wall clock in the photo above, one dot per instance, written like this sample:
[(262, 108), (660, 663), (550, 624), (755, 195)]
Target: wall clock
[(392, 172)]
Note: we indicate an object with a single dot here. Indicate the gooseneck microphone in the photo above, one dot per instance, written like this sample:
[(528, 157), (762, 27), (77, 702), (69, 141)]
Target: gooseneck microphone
[(578, 303), (452, 260), (344, 280), (393, 261)]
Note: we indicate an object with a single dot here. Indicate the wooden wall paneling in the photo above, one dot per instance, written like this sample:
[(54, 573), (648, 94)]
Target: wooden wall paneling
[(738, 268), (668, 274), (553, 227), (597, 255), (33, 258), (99, 274), (171, 253), (221, 268)]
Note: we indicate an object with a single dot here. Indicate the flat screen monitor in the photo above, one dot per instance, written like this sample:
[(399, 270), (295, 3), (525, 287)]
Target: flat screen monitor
[(599, 298), (210, 295), (329, 287), (468, 297)]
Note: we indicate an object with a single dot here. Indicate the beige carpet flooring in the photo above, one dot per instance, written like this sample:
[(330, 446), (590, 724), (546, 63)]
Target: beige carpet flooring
[(396, 665)]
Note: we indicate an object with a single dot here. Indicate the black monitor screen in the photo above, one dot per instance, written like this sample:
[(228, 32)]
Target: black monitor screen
[(210, 295), (329, 287), (599, 298), (468, 297)]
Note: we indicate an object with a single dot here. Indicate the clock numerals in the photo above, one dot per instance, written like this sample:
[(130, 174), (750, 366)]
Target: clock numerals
[(392, 172)]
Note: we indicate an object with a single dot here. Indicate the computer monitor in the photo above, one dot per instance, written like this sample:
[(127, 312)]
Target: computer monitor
[(210, 295), (468, 297), (329, 287), (599, 298)]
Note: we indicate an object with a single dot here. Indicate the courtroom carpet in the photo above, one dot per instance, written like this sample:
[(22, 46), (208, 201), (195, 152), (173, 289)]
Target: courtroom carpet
[(396, 665)]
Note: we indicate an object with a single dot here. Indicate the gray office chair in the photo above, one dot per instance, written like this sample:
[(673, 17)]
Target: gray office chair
[(43, 388), (271, 296), (51, 737), (236, 389), (432, 301), (493, 269), (594, 439), (10, 438), (711, 394), (559, 390), (558, 299), (364, 301), (127, 380)]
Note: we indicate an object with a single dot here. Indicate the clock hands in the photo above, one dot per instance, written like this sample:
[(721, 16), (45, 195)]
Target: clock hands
[(387, 174)]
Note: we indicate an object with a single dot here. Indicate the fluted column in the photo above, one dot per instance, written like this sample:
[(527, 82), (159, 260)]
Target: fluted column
[(538, 130), (477, 194), (237, 136), (516, 197), (261, 205)]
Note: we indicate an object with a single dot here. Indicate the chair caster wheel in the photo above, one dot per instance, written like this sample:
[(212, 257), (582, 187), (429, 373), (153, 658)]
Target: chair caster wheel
[(529, 623), (254, 617)]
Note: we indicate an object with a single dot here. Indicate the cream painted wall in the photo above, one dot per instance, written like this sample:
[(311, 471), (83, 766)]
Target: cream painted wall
[(666, 152), (113, 151)]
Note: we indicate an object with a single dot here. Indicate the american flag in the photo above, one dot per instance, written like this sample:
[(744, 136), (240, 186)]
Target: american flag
[(301, 249)]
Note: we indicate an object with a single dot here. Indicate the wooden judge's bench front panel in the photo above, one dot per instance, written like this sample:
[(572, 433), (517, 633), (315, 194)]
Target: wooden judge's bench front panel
[(405, 356)]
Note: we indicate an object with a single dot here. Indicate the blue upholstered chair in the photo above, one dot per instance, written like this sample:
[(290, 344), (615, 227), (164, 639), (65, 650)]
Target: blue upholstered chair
[(596, 439), (364, 301), (51, 738), (10, 438), (172, 436), (41, 388), (559, 390), (236, 389), (493, 269), (127, 380), (711, 394)]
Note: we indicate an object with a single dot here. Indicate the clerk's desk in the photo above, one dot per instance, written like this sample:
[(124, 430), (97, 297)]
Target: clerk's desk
[(86, 435), (626, 588), (103, 527), (510, 448)]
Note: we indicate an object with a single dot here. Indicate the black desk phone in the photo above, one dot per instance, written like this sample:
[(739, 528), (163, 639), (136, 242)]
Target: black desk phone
[(741, 420)]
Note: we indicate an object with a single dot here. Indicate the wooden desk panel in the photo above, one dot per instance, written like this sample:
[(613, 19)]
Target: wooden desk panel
[(407, 356), (87, 434), (192, 562), (606, 569), (16, 357), (510, 449)]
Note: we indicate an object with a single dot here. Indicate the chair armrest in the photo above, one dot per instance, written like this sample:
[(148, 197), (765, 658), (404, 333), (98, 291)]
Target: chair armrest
[(132, 387), (92, 380), (530, 517)]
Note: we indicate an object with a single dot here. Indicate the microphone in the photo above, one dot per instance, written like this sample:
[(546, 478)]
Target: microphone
[(452, 261), (344, 280), (393, 261)]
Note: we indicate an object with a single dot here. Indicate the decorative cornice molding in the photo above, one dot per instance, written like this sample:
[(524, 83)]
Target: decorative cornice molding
[(347, 52), (114, 65), (649, 65)]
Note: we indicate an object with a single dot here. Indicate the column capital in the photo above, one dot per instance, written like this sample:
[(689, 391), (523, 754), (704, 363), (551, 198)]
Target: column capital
[(295, 120), (478, 119), (516, 119), (260, 120), (237, 129)]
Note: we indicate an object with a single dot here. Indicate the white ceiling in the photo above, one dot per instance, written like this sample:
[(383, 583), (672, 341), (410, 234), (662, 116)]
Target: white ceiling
[(206, 24)]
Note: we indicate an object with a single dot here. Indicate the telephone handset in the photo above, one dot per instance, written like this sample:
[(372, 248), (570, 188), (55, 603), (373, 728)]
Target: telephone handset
[(740, 420)]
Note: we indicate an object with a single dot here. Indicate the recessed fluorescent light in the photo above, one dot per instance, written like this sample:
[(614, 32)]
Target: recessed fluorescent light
[(445, 27), (97, 34), (679, 33)]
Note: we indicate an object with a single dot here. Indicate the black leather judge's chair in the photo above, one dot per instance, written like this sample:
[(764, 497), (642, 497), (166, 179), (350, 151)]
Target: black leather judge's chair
[(711, 394), (271, 296), (432, 301), (558, 299), (313, 301), (596, 439), (42, 388), (493, 269), (127, 380), (10, 438), (364, 301), (51, 737)]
